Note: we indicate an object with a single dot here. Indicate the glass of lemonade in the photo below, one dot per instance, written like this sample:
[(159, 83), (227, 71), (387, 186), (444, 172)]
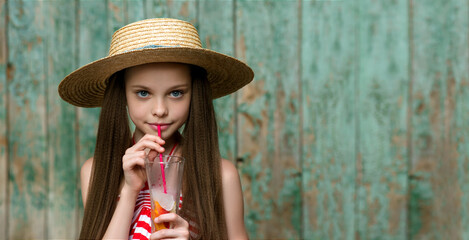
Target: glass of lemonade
[(164, 176)]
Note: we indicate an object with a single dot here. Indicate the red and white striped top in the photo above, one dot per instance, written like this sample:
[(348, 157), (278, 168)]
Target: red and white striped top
[(141, 221)]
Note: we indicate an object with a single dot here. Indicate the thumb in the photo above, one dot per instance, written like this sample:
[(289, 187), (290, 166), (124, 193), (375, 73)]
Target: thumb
[(152, 155)]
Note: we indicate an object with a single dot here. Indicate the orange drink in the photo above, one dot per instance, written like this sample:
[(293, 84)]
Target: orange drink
[(168, 205)]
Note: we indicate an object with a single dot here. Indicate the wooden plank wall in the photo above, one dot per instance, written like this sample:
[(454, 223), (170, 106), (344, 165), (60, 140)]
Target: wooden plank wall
[(3, 124), (330, 160), (355, 127), (382, 85), (439, 72)]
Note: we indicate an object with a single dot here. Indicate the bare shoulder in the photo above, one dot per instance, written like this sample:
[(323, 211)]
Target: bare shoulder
[(229, 171), (86, 169), (85, 174), (233, 201), (231, 182)]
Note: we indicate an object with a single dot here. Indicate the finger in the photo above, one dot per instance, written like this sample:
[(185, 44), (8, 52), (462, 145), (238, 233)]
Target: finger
[(152, 155), (132, 163), (139, 154), (154, 138), (141, 145), (128, 157), (176, 220), (170, 233), (146, 144)]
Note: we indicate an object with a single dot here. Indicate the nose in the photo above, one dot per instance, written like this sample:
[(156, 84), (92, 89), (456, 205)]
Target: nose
[(159, 108)]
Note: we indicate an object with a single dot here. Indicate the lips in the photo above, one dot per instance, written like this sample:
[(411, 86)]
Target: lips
[(164, 126)]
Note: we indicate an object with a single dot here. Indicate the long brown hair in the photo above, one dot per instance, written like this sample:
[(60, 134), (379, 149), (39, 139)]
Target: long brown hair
[(202, 188), (113, 139)]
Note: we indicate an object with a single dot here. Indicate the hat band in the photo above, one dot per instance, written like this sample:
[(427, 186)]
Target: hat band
[(151, 47)]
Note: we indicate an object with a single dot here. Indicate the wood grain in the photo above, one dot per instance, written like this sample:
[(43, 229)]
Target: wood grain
[(93, 43), (28, 157), (267, 39), (439, 174), (220, 37), (116, 17), (329, 116), (3, 124), (63, 195), (181, 9), (134, 10), (382, 99)]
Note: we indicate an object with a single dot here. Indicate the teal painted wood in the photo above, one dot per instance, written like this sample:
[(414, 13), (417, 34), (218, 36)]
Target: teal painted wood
[(3, 125), (459, 135), (182, 9), (134, 10), (329, 119), (116, 17), (267, 39), (63, 196), (93, 44), (439, 186), (28, 157), (219, 36), (382, 107)]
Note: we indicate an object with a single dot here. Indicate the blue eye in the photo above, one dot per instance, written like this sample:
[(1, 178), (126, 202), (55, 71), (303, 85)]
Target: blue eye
[(142, 94), (176, 94)]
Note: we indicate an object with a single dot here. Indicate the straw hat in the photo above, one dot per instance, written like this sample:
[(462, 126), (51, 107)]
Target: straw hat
[(148, 41)]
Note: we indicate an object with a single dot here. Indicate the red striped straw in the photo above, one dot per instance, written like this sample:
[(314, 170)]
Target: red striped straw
[(161, 163)]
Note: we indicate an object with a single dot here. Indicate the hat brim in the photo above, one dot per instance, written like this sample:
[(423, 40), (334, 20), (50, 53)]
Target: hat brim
[(85, 86)]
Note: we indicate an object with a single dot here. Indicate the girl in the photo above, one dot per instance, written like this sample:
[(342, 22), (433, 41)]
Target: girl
[(158, 74)]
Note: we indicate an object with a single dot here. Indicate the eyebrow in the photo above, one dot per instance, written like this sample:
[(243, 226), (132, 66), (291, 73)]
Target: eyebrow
[(180, 86), (139, 86), (184, 85)]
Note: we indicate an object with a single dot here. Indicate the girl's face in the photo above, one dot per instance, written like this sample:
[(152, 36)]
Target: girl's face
[(158, 94)]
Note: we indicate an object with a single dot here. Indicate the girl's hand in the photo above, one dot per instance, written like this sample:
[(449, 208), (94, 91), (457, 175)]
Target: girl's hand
[(180, 228), (133, 162)]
